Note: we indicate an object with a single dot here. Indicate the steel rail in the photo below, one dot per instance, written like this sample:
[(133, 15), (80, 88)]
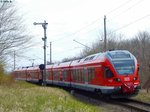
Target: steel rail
[(133, 104)]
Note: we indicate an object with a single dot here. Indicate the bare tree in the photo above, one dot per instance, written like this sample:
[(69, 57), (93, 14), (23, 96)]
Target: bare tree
[(12, 30), (144, 54), (113, 42)]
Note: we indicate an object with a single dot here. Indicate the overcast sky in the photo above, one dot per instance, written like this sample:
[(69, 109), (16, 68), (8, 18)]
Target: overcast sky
[(81, 20)]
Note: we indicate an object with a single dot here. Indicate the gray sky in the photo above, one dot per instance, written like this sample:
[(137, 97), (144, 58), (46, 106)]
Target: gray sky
[(81, 20)]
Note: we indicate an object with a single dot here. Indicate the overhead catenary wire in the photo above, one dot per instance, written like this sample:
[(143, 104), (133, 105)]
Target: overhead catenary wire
[(120, 6), (124, 26), (93, 22), (72, 34), (129, 8)]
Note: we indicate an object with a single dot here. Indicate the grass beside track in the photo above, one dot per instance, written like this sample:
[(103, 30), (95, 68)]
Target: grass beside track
[(143, 96), (25, 97)]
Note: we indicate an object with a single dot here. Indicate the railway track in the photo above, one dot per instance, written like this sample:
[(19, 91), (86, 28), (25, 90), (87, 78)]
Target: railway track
[(130, 104), (133, 105)]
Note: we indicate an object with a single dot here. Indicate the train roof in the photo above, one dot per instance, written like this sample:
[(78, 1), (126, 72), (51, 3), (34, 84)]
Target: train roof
[(56, 65), (75, 62), (33, 68), (20, 69), (49, 66), (65, 64), (119, 54), (94, 58)]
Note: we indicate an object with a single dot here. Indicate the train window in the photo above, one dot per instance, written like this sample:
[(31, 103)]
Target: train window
[(24, 74), (64, 74), (74, 74), (47, 74), (82, 73), (78, 75), (51, 75), (56, 75), (91, 74), (86, 75), (91, 57), (33, 75), (108, 73), (78, 60), (86, 59), (18, 74)]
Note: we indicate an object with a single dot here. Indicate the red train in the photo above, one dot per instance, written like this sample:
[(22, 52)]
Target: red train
[(111, 73)]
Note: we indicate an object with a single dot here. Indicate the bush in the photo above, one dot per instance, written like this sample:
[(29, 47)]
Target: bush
[(5, 79)]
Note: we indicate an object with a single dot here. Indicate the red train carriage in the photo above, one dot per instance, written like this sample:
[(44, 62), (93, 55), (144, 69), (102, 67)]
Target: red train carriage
[(49, 75), (20, 74), (33, 74), (111, 72)]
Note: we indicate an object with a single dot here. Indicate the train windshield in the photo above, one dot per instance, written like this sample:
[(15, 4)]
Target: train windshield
[(124, 67)]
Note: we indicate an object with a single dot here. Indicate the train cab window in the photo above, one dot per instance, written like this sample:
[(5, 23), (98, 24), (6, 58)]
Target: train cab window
[(117, 55), (124, 66), (108, 73)]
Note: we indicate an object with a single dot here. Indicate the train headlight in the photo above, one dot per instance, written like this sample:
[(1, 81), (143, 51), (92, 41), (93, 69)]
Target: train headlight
[(117, 79), (134, 78)]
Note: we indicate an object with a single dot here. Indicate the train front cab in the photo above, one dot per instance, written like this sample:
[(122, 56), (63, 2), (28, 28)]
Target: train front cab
[(121, 72)]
